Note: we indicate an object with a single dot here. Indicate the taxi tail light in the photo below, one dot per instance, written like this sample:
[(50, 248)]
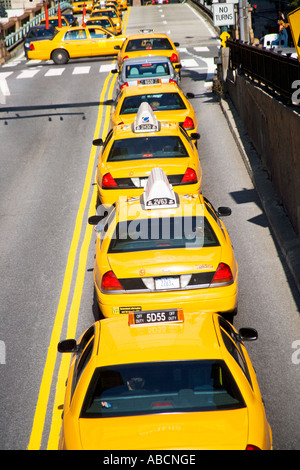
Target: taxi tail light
[(126, 57), (189, 176), (108, 181), (252, 447), (188, 123), (110, 282), (31, 46), (124, 85), (223, 274), (172, 81), (174, 57)]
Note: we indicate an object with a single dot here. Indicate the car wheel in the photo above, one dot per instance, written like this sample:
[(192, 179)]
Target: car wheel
[(60, 56)]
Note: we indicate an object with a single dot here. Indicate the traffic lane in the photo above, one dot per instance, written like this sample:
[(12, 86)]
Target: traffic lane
[(39, 203), (268, 299)]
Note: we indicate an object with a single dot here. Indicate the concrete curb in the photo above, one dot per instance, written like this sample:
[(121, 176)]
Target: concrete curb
[(280, 224)]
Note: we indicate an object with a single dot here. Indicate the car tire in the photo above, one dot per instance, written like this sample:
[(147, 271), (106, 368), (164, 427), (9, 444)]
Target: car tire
[(60, 57)]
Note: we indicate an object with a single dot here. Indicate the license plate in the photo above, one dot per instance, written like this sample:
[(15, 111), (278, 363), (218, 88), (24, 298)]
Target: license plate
[(167, 283), (149, 81), (157, 316)]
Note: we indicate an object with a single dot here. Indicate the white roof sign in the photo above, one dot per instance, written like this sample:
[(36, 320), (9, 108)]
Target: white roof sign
[(158, 192), (145, 119)]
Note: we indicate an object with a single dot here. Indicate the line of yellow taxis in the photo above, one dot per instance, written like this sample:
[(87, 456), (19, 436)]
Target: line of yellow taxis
[(163, 368)]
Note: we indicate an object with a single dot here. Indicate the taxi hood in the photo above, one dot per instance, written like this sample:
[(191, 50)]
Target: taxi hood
[(215, 430)]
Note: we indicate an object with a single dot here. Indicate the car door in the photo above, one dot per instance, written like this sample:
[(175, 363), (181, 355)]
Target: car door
[(103, 42), (77, 43)]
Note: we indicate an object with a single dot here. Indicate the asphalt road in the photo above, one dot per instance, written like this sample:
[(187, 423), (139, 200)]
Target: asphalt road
[(48, 121)]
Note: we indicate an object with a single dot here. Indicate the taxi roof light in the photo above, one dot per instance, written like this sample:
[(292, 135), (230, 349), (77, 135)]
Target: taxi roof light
[(158, 192), (145, 120)]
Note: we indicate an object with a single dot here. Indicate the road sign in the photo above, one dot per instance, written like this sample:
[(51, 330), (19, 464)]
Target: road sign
[(294, 22), (223, 14)]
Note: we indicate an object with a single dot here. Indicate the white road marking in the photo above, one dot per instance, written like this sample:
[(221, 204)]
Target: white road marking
[(107, 67), (189, 63), (27, 74), (201, 49), (54, 72), (81, 70)]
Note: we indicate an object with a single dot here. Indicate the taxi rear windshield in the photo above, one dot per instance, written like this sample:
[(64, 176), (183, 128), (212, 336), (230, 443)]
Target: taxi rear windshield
[(142, 44), (157, 101), (148, 70), (161, 387), (141, 148), (162, 233)]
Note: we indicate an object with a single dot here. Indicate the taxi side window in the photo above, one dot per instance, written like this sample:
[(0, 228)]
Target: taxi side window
[(74, 35), (212, 212), (107, 140), (187, 137), (97, 33), (83, 356), (233, 346)]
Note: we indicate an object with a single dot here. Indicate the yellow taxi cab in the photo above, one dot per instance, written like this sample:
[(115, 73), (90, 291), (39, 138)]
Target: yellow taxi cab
[(116, 19), (75, 42), (164, 248), (148, 42), (54, 21), (163, 379), (104, 22), (130, 152), (78, 5), (167, 100), (123, 4)]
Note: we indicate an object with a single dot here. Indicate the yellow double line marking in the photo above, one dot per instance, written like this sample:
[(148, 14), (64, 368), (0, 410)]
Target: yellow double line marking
[(43, 398)]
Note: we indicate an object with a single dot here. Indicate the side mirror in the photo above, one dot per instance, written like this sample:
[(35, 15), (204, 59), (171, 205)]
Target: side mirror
[(179, 66), (223, 211), (67, 346), (114, 71), (195, 135), (190, 95), (176, 44), (117, 48), (95, 219), (247, 334), (98, 142)]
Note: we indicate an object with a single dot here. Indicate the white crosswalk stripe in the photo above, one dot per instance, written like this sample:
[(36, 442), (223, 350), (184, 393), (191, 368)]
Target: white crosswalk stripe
[(81, 70), (27, 74), (55, 72)]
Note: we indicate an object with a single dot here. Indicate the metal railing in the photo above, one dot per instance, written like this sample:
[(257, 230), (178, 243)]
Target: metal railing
[(13, 39), (276, 71)]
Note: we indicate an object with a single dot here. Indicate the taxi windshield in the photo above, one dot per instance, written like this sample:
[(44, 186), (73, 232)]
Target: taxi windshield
[(157, 101), (142, 44), (157, 233), (161, 387), (147, 70), (141, 148)]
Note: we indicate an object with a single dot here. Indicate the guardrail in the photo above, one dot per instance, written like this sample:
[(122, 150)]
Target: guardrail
[(13, 39), (276, 71)]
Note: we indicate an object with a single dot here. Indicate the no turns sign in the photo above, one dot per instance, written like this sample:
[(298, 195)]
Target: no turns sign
[(223, 14)]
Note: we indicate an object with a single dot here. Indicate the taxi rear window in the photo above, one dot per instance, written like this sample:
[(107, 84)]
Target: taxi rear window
[(148, 44), (157, 101), (141, 148), (161, 387), (137, 71), (162, 233)]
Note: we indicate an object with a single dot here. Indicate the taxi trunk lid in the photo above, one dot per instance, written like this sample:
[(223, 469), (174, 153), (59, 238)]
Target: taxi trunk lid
[(215, 430)]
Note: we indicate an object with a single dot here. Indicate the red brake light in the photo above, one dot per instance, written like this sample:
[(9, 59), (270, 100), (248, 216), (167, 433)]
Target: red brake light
[(126, 57), (172, 81), (189, 176), (124, 85), (174, 57), (108, 181), (223, 274), (252, 447), (31, 46), (110, 282), (188, 123)]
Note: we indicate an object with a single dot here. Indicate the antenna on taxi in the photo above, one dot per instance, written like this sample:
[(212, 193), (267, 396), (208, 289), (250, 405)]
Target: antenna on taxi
[(158, 192)]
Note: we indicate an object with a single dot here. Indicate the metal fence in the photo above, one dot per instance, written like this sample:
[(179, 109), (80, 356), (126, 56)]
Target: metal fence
[(12, 39), (276, 71)]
